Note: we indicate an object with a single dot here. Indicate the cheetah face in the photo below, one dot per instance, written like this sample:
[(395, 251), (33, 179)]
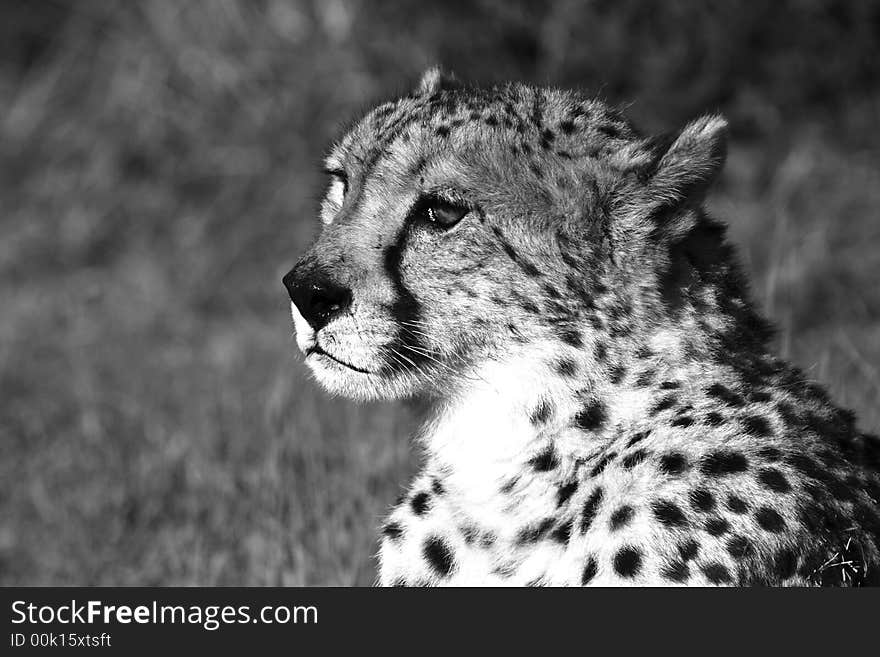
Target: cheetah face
[(458, 228), (414, 279), (405, 290)]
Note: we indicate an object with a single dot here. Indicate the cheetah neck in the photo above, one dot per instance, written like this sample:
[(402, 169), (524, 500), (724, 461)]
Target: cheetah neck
[(487, 441), (485, 436)]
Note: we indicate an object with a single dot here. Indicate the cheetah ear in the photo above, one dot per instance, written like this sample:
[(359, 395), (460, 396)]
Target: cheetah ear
[(677, 170), (434, 80), (692, 161)]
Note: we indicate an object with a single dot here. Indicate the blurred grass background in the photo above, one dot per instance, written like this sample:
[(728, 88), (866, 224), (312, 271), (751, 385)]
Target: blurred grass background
[(159, 173)]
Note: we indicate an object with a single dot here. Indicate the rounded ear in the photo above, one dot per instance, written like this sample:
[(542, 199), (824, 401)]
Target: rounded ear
[(674, 171), (434, 80), (688, 164)]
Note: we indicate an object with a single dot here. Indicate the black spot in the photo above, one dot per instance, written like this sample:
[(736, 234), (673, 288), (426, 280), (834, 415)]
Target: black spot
[(621, 517), (545, 460), (528, 306), (806, 466), (723, 462), (716, 573), (579, 110), (677, 571), (566, 126), (610, 131), (774, 480), (469, 533), (725, 394), (644, 379), (571, 337), (632, 460), (534, 533), (811, 518), (702, 500), (601, 351), (831, 458), (787, 413), (590, 570), (770, 453), (669, 385), (689, 549), (717, 526), (591, 506), (714, 419), (785, 564), (755, 425), (419, 166), (643, 352), (392, 530), (566, 367), (442, 131), (667, 402), (437, 487), (616, 374), (760, 396), (668, 513), (438, 555), (592, 416), (563, 532), (673, 463), (628, 561), (602, 464), (419, 503), (769, 520), (740, 547), (565, 492), (487, 539), (542, 413), (684, 421), (530, 269), (491, 121), (508, 249), (638, 437)]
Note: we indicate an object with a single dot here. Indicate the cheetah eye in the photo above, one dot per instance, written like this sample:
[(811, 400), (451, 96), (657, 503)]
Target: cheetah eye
[(338, 176), (440, 212)]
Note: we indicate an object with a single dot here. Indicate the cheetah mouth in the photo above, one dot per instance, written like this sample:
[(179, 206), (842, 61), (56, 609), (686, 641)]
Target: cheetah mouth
[(318, 351)]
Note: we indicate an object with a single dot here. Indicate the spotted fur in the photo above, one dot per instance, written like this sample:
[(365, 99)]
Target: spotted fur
[(605, 406)]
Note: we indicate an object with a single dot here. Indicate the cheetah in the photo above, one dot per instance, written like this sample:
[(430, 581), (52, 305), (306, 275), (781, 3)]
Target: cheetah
[(605, 409)]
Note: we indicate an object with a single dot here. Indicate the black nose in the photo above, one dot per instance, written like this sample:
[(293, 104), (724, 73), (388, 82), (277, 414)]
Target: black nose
[(317, 298)]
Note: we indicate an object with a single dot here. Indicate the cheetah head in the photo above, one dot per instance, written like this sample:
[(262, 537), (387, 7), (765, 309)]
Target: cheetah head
[(465, 225)]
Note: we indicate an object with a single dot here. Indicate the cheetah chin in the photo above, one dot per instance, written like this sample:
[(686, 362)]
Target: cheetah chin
[(605, 406)]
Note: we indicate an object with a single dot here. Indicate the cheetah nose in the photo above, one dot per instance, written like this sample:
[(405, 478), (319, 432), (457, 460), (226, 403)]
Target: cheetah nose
[(316, 297)]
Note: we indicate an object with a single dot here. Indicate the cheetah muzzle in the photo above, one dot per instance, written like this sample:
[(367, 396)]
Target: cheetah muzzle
[(606, 409)]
